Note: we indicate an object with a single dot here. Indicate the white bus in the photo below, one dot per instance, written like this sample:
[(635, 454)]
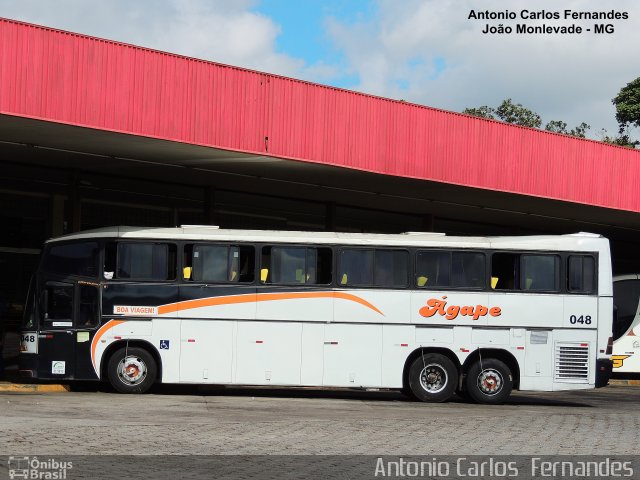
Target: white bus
[(626, 327), (427, 313)]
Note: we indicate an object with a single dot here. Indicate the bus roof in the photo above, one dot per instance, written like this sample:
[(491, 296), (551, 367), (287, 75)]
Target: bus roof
[(576, 241)]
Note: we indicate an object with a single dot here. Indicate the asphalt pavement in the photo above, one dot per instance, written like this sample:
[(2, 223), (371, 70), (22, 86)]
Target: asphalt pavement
[(190, 420)]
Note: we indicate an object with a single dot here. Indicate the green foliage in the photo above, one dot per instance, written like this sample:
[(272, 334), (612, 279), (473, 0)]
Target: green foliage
[(509, 112), (627, 104), (483, 112), (517, 114), (623, 139), (580, 131), (558, 126)]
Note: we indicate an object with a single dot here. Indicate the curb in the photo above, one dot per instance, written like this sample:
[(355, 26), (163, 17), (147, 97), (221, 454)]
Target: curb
[(620, 382), (6, 387)]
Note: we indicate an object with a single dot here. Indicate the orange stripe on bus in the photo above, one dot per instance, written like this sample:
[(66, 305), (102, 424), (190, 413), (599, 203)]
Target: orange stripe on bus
[(104, 329), (260, 297)]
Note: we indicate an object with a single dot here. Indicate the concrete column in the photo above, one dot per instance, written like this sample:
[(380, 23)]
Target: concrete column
[(210, 216), (74, 210), (330, 217), (57, 215), (175, 217), (427, 223)]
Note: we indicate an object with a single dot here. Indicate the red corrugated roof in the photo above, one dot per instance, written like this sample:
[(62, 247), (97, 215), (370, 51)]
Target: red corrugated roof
[(79, 80)]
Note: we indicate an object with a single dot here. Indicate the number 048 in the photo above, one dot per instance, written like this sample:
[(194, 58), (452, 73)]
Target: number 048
[(582, 319)]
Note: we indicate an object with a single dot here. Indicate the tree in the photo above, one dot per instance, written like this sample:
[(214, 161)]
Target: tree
[(558, 126), (623, 139), (508, 112), (627, 104), (483, 112), (516, 114), (580, 131)]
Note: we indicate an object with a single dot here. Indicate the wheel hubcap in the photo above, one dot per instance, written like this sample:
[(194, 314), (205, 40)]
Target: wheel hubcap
[(132, 370), (433, 378), (490, 382)]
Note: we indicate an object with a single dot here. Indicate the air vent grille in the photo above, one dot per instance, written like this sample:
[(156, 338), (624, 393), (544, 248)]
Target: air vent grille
[(572, 362)]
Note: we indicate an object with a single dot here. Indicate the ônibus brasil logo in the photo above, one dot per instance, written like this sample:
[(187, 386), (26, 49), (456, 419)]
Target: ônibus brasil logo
[(439, 306), (34, 468)]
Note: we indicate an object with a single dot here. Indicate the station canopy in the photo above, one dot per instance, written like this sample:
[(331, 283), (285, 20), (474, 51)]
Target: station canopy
[(70, 101)]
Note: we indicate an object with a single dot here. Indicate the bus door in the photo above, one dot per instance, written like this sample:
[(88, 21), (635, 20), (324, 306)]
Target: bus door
[(69, 314)]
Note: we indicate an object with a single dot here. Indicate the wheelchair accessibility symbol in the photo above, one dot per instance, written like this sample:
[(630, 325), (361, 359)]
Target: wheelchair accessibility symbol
[(164, 344)]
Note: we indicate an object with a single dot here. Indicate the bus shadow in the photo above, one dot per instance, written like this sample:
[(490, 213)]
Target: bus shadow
[(625, 376), (349, 394), (525, 401), (291, 392)]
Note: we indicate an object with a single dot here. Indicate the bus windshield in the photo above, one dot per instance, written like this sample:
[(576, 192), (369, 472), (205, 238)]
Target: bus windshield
[(627, 297)]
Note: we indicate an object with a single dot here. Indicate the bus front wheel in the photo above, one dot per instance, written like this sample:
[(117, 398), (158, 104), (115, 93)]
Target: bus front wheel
[(433, 377), (132, 370), (489, 381)]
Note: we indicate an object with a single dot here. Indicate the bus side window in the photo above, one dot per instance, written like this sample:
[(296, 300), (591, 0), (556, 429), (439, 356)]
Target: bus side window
[(293, 265), (57, 302), (219, 263), (73, 259), (146, 261), (433, 269), (356, 266), (211, 263), (391, 268), (88, 307), (246, 264), (540, 272), (525, 272), (582, 274), (457, 269), (287, 264), (506, 268), (468, 270)]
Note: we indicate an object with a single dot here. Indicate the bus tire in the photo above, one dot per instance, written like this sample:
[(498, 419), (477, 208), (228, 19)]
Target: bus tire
[(132, 370), (492, 383), (433, 378), (406, 391)]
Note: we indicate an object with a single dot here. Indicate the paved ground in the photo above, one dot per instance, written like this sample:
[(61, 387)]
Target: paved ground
[(255, 421)]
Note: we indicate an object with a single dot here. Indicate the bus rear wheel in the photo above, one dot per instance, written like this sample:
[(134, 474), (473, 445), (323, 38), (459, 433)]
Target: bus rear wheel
[(132, 370), (433, 377), (489, 381)]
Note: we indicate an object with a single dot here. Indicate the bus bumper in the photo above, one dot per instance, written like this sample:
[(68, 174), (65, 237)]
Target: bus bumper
[(604, 367)]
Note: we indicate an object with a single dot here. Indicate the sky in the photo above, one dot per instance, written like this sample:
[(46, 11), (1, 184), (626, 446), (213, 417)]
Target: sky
[(423, 51)]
